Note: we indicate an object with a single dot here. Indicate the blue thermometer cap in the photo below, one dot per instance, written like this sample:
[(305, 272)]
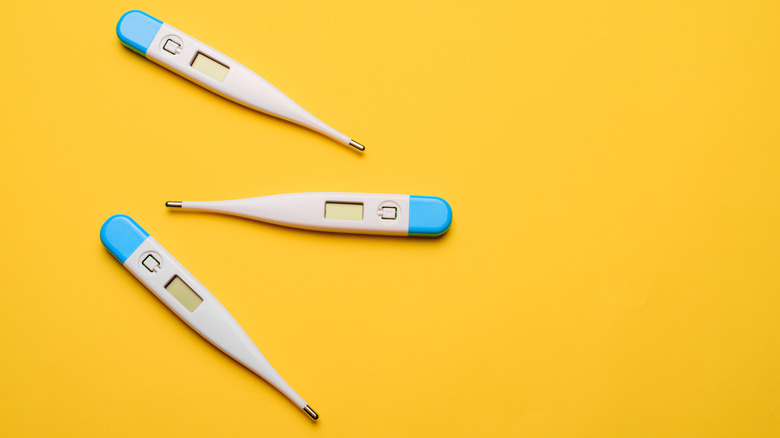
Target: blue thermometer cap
[(121, 235), (428, 216), (137, 30)]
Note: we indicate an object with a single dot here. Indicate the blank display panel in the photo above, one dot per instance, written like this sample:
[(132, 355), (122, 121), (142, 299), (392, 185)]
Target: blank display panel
[(206, 65), (183, 293), (343, 210)]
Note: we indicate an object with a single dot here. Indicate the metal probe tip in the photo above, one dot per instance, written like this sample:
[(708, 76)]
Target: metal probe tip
[(311, 412), (173, 204), (357, 145)]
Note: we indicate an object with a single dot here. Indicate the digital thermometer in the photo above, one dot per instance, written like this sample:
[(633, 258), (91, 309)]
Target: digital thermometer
[(207, 67), (186, 297), (362, 213)]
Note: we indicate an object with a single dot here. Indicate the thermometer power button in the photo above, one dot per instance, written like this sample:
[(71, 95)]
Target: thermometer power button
[(151, 261), (388, 212), (172, 47)]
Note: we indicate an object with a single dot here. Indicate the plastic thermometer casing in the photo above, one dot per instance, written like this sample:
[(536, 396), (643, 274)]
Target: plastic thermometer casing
[(374, 213), (156, 268), (177, 51)]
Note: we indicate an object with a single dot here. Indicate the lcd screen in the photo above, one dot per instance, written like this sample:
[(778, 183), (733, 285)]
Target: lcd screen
[(183, 293), (206, 65), (343, 210)]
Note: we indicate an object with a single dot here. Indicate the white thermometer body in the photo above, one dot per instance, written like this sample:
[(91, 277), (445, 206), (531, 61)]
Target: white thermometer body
[(362, 213), (162, 274), (211, 69)]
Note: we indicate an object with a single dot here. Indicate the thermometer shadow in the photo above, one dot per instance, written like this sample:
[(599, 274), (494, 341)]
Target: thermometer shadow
[(254, 113), (421, 240), (266, 387), (155, 302)]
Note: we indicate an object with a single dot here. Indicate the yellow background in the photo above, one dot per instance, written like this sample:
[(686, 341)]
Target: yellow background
[(611, 270)]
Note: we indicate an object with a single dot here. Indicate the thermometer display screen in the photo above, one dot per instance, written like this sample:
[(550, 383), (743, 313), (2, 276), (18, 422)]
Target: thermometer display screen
[(208, 66), (343, 210), (183, 293)]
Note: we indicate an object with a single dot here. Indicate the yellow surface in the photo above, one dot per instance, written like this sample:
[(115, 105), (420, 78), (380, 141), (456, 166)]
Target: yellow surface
[(612, 267)]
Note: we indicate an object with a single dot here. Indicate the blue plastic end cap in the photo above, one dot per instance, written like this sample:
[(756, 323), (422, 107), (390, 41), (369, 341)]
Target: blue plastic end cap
[(137, 29), (121, 235), (428, 216)]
